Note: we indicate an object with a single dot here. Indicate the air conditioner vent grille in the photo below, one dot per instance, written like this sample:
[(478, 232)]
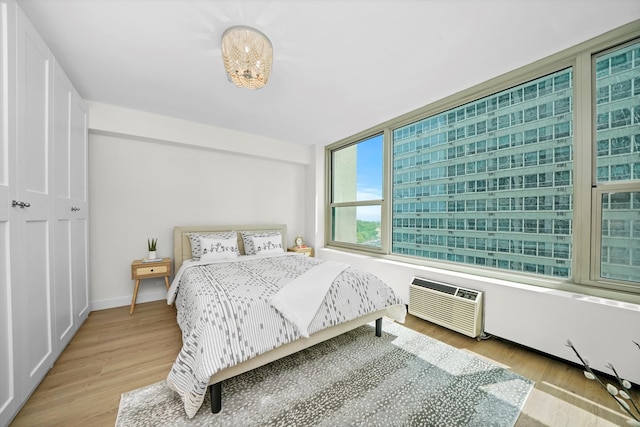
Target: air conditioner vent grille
[(436, 286), (455, 308)]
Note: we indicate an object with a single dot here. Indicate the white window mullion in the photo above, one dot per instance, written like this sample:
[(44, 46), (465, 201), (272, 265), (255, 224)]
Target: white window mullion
[(584, 165)]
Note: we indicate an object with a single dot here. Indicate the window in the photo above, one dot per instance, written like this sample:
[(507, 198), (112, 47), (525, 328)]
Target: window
[(489, 185), (544, 168), (356, 192), (616, 193)]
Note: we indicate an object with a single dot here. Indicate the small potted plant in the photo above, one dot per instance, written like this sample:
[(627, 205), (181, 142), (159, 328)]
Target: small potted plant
[(151, 243)]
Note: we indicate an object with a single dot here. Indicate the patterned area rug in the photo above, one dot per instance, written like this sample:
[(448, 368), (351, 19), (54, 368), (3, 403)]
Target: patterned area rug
[(403, 378)]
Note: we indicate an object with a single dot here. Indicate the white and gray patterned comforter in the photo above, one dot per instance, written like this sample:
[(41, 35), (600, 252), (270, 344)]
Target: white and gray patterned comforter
[(226, 317)]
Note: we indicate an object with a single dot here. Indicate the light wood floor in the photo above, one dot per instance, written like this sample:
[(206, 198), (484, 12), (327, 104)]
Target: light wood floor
[(113, 353)]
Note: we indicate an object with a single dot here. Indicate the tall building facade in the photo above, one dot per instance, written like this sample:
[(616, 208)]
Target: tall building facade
[(490, 183)]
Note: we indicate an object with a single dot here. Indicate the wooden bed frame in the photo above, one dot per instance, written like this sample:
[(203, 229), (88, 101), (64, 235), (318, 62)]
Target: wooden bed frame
[(182, 252)]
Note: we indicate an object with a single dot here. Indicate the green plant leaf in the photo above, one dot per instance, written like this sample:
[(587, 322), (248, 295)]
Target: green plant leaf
[(151, 244)]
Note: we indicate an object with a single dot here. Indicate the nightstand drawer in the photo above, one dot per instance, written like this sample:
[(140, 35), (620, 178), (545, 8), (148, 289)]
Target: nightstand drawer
[(306, 250), (148, 270), (145, 271)]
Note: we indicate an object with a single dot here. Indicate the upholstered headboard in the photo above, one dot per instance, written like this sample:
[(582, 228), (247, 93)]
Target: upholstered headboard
[(182, 244)]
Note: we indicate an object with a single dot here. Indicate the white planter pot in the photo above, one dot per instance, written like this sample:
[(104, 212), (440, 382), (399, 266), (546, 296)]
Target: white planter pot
[(152, 255)]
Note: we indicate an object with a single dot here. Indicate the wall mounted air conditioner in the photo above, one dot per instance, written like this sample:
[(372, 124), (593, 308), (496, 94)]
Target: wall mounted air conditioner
[(450, 306)]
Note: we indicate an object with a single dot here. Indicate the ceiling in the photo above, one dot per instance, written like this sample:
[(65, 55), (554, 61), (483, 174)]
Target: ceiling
[(340, 67)]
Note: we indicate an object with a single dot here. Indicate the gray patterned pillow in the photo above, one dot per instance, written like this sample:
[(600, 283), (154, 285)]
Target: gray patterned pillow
[(248, 241), (267, 245), (218, 248), (195, 241)]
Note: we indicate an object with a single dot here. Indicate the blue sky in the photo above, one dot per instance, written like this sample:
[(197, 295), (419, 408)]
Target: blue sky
[(370, 169), (369, 176)]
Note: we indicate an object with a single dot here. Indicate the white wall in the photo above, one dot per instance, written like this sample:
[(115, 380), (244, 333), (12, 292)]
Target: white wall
[(142, 186)]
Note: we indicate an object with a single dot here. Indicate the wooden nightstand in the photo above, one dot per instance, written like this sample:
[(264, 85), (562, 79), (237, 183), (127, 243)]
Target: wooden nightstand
[(302, 250), (149, 270)]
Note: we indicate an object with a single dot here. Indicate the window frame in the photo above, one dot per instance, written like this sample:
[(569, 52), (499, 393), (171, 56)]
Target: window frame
[(330, 204), (598, 189), (581, 58)]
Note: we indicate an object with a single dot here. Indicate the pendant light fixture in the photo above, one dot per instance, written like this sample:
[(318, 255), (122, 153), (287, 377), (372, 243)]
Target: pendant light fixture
[(247, 56)]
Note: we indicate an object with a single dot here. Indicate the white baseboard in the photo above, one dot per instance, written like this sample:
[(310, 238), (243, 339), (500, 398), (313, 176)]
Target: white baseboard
[(126, 300)]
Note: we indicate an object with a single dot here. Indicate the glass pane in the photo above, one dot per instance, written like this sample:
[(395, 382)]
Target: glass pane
[(357, 224), (501, 177), (357, 171), (618, 115), (620, 244)]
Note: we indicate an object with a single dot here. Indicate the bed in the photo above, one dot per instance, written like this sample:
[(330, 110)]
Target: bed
[(233, 298)]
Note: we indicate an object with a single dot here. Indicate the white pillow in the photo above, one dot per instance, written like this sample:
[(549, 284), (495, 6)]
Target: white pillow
[(248, 243), (267, 244), (218, 249), (195, 241)]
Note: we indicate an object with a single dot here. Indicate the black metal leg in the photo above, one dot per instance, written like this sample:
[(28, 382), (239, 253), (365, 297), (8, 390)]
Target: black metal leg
[(216, 397), (379, 327)]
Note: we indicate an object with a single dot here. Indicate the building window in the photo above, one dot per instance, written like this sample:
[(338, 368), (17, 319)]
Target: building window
[(533, 165)]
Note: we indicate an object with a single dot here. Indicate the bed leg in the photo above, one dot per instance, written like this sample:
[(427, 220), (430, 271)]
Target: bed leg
[(216, 397), (379, 327)]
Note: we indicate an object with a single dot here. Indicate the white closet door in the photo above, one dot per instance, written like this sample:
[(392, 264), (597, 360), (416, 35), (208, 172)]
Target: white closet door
[(80, 205), (70, 170), (9, 391), (64, 319), (32, 247)]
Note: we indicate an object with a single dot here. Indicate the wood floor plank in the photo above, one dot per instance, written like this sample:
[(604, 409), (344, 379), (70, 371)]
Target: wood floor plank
[(114, 352)]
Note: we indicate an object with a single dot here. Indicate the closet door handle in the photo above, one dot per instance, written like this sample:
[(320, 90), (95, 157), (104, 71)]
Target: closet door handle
[(74, 209), (19, 203)]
